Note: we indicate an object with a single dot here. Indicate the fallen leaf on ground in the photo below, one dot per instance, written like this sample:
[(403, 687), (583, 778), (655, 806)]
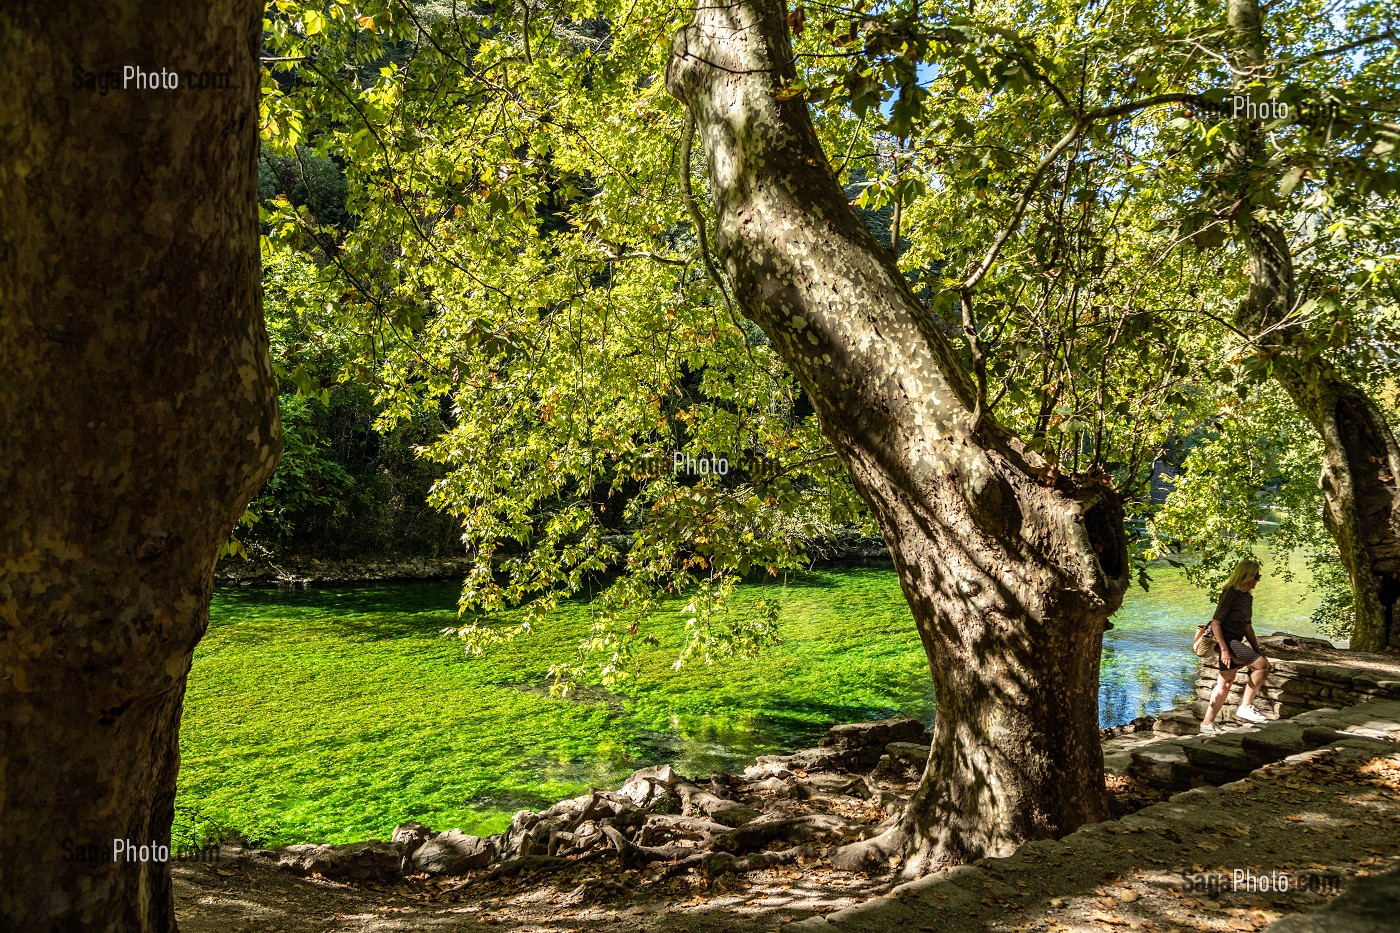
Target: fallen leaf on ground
[(1098, 916)]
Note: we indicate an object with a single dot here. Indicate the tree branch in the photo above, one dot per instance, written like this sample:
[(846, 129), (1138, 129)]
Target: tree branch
[(698, 219), (1117, 111), (1022, 204)]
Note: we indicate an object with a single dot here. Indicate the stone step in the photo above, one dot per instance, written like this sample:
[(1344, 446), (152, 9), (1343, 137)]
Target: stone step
[(1190, 760), (1045, 874), (1178, 722), (1162, 765), (1181, 763), (1223, 753), (1118, 750), (1278, 741)]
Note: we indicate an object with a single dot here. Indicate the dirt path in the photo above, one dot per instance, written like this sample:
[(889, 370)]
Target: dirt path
[(241, 894), (1325, 818)]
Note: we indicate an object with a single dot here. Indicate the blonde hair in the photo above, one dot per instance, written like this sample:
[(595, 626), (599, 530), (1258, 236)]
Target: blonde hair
[(1245, 571)]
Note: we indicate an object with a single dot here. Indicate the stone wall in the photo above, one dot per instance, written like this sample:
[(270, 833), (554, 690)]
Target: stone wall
[(1299, 683), (1308, 673)]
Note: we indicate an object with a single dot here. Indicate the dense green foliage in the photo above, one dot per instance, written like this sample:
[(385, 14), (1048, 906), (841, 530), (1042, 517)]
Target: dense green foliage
[(518, 274), (305, 180), (344, 487), (525, 263), (1106, 328), (1249, 478)]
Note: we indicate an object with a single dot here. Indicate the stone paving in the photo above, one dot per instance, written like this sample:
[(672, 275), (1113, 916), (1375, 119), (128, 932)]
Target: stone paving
[(1324, 808), (1190, 761), (1372, 905)]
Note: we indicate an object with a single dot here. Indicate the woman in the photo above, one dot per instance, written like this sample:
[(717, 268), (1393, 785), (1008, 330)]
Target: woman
[(1233, 627)]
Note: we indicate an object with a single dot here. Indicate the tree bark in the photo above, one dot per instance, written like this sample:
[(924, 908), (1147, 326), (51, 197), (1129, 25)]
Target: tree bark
[(1360, 463), (1010, 572), (139, 413), (1360, 477)]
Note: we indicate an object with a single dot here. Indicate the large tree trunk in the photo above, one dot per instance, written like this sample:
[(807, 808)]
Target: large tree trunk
[(1010, 574), (1360, 478), (139, 417), (1360, 466)]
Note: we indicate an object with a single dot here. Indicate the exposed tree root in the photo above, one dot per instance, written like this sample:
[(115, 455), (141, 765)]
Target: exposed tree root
[(658, 827), (633, 855), (845, 802), (524, 865), (713, 865), (876, 854), (780, 809)]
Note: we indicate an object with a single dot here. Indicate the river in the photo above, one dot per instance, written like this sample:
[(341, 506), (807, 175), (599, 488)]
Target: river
[(331, 714)]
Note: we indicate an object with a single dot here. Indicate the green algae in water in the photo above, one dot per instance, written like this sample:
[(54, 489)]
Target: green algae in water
[(330, 715)]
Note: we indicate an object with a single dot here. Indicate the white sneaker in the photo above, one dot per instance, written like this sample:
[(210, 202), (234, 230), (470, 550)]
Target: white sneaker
[(1210, 728), (1249, 714)]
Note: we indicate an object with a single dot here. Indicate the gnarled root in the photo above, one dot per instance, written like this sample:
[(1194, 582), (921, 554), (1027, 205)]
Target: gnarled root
[(525, 864), (877, 855), (658, 828), (713, 865), (632, 855)]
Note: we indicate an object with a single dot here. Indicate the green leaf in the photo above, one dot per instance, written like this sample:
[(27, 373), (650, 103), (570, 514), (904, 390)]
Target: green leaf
[(1290, 181)]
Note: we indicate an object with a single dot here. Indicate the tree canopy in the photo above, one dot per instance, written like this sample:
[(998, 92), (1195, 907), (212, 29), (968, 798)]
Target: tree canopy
[(523, 252)]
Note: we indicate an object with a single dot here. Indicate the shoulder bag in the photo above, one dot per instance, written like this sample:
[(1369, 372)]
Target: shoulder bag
[(1204, 642)]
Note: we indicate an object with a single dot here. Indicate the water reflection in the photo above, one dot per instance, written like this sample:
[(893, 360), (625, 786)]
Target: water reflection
[(1147, 661)]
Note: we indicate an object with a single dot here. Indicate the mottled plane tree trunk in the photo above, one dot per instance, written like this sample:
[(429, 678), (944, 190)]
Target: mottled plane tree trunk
[(1010, 573), (139, 417), (1360, 477)]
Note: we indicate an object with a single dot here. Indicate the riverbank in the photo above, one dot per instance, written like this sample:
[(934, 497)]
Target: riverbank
[(734, 852), (1324, 818), (844, 548), (302, 571)]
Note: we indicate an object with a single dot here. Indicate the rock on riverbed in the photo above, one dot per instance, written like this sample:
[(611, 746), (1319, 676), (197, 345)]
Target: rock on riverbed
[(783, 807)]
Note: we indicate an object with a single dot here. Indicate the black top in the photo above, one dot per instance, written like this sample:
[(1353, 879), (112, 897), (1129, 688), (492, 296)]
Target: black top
[(1235, 612)]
